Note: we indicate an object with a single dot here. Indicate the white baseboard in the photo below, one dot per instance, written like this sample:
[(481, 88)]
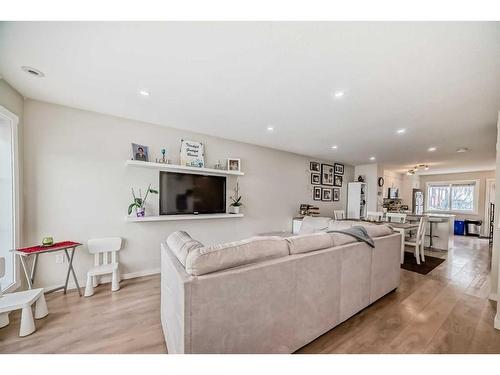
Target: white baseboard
[(107, 279), (493, 297)]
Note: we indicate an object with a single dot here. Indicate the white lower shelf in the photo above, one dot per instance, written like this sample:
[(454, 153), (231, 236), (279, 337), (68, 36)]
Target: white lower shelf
[(133, 219)]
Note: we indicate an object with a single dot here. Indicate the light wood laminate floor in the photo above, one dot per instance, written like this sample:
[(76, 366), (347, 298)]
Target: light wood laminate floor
[(446, 311)]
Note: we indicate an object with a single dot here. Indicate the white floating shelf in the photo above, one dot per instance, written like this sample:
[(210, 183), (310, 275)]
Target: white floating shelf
[(133, 219), (180, 168)]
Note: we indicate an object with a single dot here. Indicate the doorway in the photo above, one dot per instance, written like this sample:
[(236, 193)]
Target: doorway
[(489, 198)]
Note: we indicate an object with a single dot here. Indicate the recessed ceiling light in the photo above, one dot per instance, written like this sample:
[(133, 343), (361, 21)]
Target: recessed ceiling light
[(144, 93), (33, 71), (463, 149), (270, 128), (334, 147), (432, 149), (401, 131), (338, 94), (372, 157)]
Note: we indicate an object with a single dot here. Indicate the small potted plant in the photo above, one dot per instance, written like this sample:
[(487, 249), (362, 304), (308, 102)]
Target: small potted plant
[(139, 203), (236, 200)]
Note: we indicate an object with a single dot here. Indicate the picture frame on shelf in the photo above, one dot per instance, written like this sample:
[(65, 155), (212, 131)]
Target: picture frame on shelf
[(315, 179), (234, 165), (336, 194), (314, 166), (338, 168), (337, 181), (327, 174), (326, 194), (316, 193), (140, 152), (192, 154)]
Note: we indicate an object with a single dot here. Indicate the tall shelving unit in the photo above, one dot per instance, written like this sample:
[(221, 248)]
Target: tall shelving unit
[(357, 194)]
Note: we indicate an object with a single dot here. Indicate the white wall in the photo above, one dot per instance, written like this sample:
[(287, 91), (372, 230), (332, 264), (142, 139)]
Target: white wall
[(392, 180), (77, 186), (408, 183)]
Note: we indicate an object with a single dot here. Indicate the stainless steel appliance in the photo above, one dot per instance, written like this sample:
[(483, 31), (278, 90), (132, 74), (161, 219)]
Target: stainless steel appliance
[(417, 202)]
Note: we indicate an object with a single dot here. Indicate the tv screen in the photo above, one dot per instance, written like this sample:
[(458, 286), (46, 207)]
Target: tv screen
[(183, 193)]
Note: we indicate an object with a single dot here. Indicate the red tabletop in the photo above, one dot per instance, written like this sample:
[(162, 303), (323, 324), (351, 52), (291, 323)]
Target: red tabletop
[(41, 249)]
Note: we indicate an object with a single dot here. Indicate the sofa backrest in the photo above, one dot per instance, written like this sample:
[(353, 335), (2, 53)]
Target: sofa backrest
[(312, 224), (200, 260)]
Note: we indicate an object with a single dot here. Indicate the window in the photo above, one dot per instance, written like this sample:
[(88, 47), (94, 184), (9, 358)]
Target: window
[(8, 196), (456, 196)]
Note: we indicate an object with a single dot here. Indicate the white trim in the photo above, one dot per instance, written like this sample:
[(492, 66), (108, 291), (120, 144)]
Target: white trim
[(477, 187), (107, 279), (14, 121), (493, 297)]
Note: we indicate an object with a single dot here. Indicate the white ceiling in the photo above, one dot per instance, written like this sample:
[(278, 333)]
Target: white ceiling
[(440, 81)]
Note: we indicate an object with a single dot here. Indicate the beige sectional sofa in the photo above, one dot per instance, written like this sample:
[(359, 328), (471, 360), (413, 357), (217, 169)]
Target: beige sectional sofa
[(270, 294)]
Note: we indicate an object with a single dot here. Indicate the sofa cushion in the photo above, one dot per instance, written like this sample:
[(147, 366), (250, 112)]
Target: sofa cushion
[(309, 242), (314, 224), (181, 244), (203, 260)]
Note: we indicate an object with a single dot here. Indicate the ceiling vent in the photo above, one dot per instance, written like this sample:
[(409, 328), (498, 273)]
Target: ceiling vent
[(33, 71)]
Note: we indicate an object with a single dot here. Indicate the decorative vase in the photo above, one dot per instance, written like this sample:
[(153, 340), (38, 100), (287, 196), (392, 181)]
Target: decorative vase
[(141, 211), (235, 209)]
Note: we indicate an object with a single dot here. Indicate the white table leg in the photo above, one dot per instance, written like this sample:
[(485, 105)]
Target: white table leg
[(4, 319), (402, 232), (41, 310), (27, 322)]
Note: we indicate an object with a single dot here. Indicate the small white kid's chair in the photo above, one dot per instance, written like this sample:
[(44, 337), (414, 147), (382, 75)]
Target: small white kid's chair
[(101, 248)]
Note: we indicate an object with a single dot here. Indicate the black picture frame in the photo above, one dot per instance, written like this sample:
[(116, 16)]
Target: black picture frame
[(327, 174), (315, 178), (314, 166), (317, 193), (327, 194), (338, 168), (337, 181), (336, 194)]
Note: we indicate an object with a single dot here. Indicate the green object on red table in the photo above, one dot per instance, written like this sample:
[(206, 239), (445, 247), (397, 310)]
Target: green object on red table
[(47, 241)]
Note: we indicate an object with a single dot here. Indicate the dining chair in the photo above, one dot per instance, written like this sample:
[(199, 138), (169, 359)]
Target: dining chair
[(339, 214), (394, 217), (374, 216), (418, 241)]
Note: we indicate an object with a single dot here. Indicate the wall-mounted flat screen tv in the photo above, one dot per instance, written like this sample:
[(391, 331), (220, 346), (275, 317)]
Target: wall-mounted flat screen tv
[(184, 193)]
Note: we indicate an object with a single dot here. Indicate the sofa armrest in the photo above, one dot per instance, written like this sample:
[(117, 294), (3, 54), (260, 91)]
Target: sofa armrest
[(175, 302)]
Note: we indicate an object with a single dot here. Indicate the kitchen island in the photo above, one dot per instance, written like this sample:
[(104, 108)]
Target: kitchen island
[(440, 226)]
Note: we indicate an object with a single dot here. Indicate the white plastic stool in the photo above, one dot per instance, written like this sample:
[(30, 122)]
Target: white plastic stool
[(23, 300), (101, 248)]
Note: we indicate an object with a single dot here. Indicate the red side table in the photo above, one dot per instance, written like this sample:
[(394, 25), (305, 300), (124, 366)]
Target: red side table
[(66, 246)]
